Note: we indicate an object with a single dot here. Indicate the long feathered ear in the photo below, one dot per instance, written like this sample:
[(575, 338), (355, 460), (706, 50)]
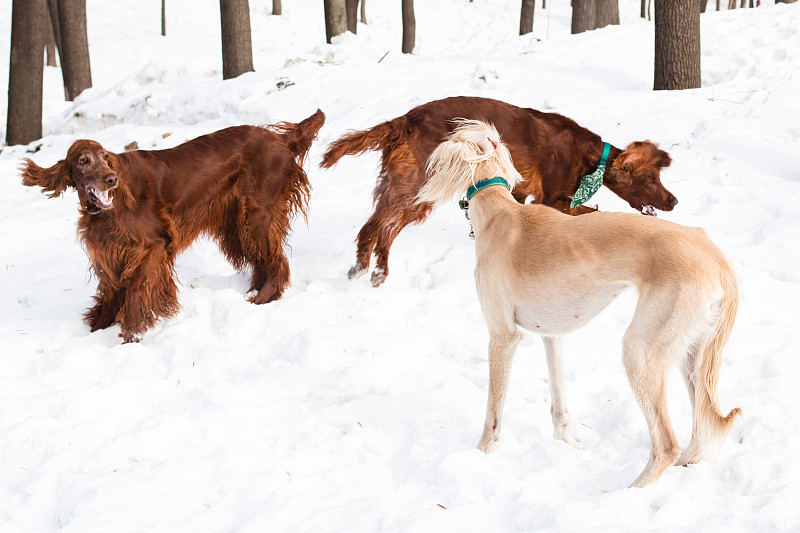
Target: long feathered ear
[(54, 180)]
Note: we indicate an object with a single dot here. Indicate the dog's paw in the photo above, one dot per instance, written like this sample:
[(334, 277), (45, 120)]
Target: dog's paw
[(486, 447), (356, 270), (567, 437), (488, 440), (378, 277), (134, 337), (690, 456)]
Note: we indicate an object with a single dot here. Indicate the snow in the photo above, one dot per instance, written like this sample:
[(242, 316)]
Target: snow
[(347, 408)]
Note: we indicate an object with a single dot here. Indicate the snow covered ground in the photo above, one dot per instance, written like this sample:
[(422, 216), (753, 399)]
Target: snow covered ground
[(348, 408)]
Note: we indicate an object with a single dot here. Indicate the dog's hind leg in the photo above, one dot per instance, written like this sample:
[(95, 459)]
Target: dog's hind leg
[(365, 242), (262, 238), (691, 454), (396, 205), (501, 352), (401, 216), (558, 408), (650, 344)]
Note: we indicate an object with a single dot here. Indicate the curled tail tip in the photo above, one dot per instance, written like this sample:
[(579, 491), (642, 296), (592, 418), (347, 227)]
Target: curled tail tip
[(735, 413), (300, 137)]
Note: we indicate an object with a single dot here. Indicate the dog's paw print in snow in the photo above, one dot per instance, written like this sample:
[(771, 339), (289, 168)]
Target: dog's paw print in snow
[(485, 76)]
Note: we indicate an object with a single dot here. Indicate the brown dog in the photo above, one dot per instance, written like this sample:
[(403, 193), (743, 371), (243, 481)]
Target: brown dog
[(551, 152), (549, 273), (139, 210)]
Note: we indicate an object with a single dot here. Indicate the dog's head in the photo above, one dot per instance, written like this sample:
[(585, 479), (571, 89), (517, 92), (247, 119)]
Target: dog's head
[(473, 152), (87, 168), (635, 176)]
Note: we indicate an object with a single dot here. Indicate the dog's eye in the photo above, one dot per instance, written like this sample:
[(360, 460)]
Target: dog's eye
[(105, 156), (83, 160)]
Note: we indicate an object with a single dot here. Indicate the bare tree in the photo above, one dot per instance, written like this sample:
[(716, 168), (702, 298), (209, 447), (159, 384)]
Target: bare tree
[(703, 6), (24, 118), (583, 15), (277, 9), (74, 50), (606, 12), (363, 11), (526, 17), (335, 18), (49, 41), (351, 8), (409, 26), (163, 18), (237, 48), (677, 45)]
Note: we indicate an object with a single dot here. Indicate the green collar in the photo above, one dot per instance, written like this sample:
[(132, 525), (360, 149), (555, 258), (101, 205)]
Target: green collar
[(486, 183), (591, 183)]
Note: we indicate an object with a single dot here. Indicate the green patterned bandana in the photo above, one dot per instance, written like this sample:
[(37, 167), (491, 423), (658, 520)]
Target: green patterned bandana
[(591, 183)]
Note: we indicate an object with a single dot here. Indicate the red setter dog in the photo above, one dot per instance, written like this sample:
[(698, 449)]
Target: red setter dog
[(241, 186), (550, 151)]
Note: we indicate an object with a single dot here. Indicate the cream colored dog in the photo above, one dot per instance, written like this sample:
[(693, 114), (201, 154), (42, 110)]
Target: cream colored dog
[(551, 273)]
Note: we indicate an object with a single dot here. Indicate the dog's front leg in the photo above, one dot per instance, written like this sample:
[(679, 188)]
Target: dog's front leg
[(558, 408), (501, 352)]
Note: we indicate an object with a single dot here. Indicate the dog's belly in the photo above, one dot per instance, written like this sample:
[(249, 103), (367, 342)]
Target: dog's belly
[(553, 313)]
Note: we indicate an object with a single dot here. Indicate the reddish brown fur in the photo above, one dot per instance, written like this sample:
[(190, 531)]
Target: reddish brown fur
[(550, 151), (241, 186)]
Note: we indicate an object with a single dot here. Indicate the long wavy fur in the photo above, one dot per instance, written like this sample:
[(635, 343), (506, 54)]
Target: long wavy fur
[(472, 153)]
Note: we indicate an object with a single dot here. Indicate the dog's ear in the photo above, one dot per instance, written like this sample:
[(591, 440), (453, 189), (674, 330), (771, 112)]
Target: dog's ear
[(54, 180), (663, 159)]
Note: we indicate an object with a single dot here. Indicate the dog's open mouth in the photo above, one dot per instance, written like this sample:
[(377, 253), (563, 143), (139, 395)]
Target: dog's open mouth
[(102, 199), (649, 210)]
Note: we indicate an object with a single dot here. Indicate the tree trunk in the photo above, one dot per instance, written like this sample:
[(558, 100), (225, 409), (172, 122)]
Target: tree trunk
[(409, 26), (24, 119), (49, 41), (75, 66), (731, 4), (237, 48), (703, 6), (643, 12), (163, 18), (335, 18), (606, 12), (52, 9), (351, 9), (677, 45), (785, 1), (583, 13), (526, 17), (363, 11), (277, 9)]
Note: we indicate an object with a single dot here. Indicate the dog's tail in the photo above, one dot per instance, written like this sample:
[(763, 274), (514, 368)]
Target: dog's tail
[(358, 142), (298, 139), (712, 424), (300, 136)]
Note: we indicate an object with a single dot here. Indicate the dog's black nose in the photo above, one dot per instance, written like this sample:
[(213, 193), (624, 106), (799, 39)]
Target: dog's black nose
[(674, 201), (111, 180)]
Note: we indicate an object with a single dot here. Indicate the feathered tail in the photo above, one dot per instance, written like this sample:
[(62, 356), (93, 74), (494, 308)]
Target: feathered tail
[(712, 424), (358, 142)]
